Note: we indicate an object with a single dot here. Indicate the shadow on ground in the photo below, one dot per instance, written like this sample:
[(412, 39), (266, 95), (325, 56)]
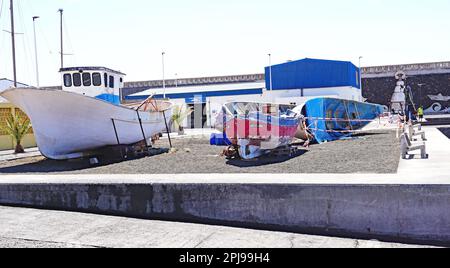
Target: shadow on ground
[(44, 165), (446, 131), (49, 166), (366, 134), (265, 160)]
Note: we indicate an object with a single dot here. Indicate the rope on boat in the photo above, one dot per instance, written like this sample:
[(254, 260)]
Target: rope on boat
[(338, 131), (338, 119), (137, 121), (314, 128)]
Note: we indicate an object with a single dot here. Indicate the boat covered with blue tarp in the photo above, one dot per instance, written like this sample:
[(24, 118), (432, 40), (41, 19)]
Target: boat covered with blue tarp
[(330, 119)]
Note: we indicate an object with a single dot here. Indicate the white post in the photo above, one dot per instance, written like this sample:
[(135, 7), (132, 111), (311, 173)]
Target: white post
[(176, 80), (164, 79), (270, 72), (360, 73), (13, 39), (35, 51), (62, 38)]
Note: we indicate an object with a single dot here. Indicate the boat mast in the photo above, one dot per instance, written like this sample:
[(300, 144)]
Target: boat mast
[(61, 30), (13, 42), (35, 50)]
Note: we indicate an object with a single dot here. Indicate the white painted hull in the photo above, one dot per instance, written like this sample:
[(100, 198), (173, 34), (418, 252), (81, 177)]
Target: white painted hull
[(67, 124)]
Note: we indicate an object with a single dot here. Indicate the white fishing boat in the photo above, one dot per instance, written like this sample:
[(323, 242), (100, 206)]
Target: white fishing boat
[(86, 114)]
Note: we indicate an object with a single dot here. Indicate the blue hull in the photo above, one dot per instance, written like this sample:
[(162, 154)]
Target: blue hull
[(332, 119)]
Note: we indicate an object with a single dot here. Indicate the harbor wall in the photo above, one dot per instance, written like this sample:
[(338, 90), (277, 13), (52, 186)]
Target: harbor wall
[(380, 89), (378, 83), (399, 213)]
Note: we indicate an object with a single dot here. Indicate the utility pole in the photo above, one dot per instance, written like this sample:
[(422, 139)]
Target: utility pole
[(270, 71), (13, 38), (360, 73), (62, 44), (164, 78), (35, 51)]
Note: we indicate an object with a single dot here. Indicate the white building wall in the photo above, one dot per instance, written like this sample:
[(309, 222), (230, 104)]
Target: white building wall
[(297, 96)]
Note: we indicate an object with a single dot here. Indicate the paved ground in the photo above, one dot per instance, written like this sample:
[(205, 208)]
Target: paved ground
[(438, 148), (33, 228), (371, 152), (9, 155)]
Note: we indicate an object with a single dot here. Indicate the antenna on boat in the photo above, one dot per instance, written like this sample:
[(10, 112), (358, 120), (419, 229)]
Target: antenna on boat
[(61, 30), (270, 71)]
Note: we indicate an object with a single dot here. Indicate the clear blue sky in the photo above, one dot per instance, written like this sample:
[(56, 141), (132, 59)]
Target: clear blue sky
[(208, 37)]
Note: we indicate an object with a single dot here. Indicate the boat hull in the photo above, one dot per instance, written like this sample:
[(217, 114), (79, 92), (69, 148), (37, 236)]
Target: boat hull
[(331, 119), (66, 124), (255, 132)]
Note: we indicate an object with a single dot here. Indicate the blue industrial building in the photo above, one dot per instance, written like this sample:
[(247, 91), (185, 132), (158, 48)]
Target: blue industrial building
[(313, 73)]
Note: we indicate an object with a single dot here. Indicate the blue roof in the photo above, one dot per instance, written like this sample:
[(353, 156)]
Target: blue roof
[(190, 97), (313, 73)]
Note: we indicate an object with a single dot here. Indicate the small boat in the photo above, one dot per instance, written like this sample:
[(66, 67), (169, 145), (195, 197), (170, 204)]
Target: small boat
[(86, 114), (258, 128), (330, 119)]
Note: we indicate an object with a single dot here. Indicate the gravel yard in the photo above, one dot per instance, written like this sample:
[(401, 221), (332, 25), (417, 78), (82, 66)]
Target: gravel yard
[(371, 152)]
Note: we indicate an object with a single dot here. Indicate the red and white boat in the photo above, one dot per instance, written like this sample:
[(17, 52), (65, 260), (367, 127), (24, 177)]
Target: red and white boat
[(258, 128)]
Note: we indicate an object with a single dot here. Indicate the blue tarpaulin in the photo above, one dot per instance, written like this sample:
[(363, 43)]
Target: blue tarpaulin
[(332, 119)]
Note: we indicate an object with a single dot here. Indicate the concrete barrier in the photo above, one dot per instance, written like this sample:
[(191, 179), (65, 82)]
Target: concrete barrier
[(398, 213)]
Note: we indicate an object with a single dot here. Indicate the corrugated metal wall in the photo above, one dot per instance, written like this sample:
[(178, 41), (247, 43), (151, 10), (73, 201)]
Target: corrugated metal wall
[(312, 73)]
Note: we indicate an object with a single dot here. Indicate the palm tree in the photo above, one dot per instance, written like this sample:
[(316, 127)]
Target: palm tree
[(179, 115), (17, 128)]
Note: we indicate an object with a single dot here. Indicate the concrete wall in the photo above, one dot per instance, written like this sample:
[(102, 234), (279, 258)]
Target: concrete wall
[(7, 142), (415, 213), (380, 89)]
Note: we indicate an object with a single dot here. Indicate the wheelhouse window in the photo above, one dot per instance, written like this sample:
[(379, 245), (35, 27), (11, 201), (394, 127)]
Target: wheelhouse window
[(111, 81), (67, 80), (77, 79), (105, 76), (96, 79), (87, 82)]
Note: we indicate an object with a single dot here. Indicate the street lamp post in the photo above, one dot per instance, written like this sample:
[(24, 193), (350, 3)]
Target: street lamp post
[(13, 40), (35, 51), (163, 73), (360, 73), (270, 72)]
